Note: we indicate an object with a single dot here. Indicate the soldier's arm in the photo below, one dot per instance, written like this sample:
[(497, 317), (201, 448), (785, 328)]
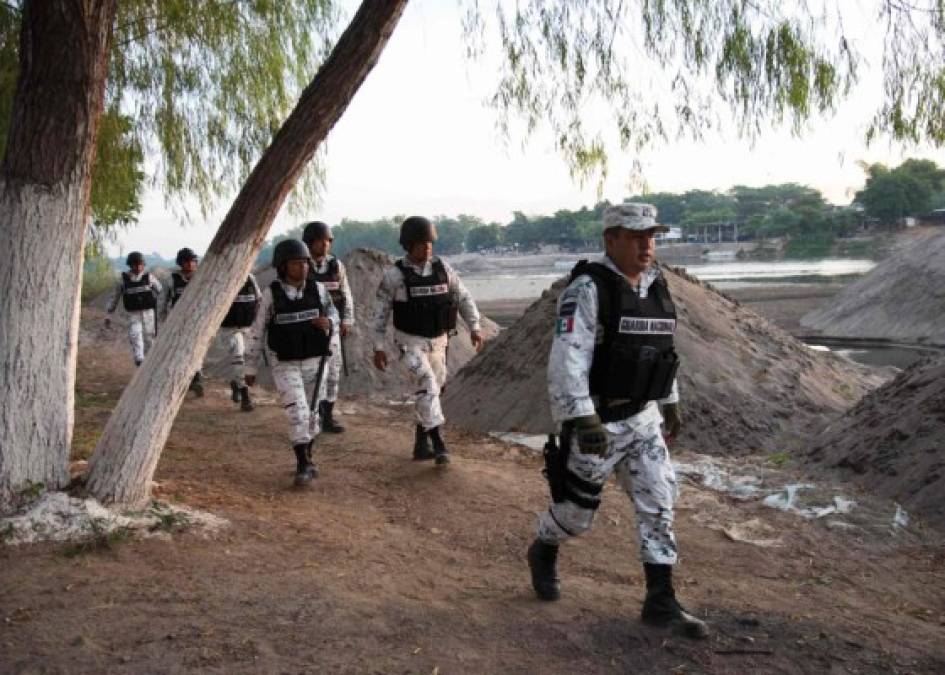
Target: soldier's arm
[(572, 351), (256, 290), (383, 303), (347, 317), (464, 299), (116, 296), (256, 336), (330, 310)]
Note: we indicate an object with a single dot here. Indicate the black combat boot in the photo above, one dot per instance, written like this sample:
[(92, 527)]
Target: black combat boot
[(325, 410), (543, 563), (660, 608), (421, 445), (246, 403), (440, 453), (235, 391), (305, 471), (196, 385)]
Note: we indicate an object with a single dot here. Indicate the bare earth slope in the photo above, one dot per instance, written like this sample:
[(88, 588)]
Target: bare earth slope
[(893, 440), (390, 566), (746, 385), (902, 298)]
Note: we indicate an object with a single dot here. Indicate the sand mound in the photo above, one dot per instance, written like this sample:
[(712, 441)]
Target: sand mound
[(893, 440), (746, 385), (902, 298), (365, 268)]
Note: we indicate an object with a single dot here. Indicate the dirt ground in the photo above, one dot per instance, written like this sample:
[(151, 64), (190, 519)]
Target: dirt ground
[(389, 566)]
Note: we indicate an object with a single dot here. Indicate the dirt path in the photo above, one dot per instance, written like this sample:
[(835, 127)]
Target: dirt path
[(389, 566)]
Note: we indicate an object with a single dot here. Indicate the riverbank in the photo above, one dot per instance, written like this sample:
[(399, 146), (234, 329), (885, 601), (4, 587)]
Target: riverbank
[(781, 303)]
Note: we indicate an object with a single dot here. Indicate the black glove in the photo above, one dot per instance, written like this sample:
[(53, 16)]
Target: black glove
[(591, 435)]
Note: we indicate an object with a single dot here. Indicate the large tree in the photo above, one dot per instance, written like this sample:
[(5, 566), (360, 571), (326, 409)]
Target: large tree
[(45, 181), (659, 68)]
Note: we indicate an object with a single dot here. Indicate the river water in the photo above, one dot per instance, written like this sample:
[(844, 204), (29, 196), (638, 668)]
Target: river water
[(527, 281)]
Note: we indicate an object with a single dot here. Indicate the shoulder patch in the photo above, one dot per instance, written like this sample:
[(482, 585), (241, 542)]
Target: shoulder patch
[(564, 325), (568, 307)]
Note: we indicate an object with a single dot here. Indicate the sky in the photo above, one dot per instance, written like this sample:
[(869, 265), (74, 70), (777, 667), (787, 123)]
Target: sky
[(418, 139)]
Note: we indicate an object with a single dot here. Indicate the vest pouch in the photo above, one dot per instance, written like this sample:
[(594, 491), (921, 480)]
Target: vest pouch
[(644, 366), (446, 318), (664, 372)]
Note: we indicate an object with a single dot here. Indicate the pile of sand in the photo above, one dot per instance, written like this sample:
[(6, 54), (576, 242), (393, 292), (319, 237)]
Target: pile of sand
[(365, 268), (893, 440), (902, 298), (746, 385)]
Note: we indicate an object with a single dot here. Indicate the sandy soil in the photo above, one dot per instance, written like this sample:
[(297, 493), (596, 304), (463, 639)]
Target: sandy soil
[(781, 304), (387, 566), (746, 385)]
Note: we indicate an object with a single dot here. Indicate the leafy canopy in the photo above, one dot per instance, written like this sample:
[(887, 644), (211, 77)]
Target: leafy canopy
[(201, 87), (198, 87)]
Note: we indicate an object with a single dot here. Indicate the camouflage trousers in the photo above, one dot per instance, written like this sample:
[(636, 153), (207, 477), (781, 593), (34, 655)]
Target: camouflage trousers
[(425, 360), (141, 333), (637, 454), (295, 382)]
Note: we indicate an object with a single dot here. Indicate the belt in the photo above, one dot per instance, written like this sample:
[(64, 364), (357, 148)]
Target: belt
[(621, 411)]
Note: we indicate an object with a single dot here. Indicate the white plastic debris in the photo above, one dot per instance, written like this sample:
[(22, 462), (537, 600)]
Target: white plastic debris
[(528, 440), (900, 518)]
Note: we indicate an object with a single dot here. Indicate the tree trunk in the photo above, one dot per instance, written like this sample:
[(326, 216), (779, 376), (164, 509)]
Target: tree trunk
[(45, 181), (127, 453)]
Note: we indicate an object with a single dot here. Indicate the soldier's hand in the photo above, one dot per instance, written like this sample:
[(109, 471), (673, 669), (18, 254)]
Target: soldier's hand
[(344, 329), (322, 322), (108, 322), (591, 435), (476, 339), (380, 359), (672, 419), (250, 380)]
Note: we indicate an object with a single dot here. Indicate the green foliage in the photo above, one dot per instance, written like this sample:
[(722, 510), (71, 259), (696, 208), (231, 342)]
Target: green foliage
[(201, 86), (484, 237), (907, 190), (117, 178), (98, 276), (659, 69), (101, 539), (210, 82)]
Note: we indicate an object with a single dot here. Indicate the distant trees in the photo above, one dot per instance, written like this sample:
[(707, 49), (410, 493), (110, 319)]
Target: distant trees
[(913, 188), (783, 210)]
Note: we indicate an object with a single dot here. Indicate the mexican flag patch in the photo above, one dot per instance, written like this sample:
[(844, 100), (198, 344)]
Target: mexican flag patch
[(565, 324)]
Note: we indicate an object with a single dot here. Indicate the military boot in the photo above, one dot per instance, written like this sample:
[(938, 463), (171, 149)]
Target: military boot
[(543, 563), (246, 403), (440, 453), (325, 410), (421, 445), (196, 385), (660, 608), (234, 391), (305, 471)]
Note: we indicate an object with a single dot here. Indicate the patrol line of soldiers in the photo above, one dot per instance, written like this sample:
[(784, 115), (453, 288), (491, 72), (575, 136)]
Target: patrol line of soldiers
[(299, 321), (611, 375)]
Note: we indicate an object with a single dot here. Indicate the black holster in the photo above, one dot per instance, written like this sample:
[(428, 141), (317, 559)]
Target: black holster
[(556, 453)]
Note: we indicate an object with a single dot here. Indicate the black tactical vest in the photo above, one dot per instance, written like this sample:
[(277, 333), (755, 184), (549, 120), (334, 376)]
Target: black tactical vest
[(243, 310), (636, 360), (178, 284), (137, 296), (429, 310), (291, 334), (331, 279)]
